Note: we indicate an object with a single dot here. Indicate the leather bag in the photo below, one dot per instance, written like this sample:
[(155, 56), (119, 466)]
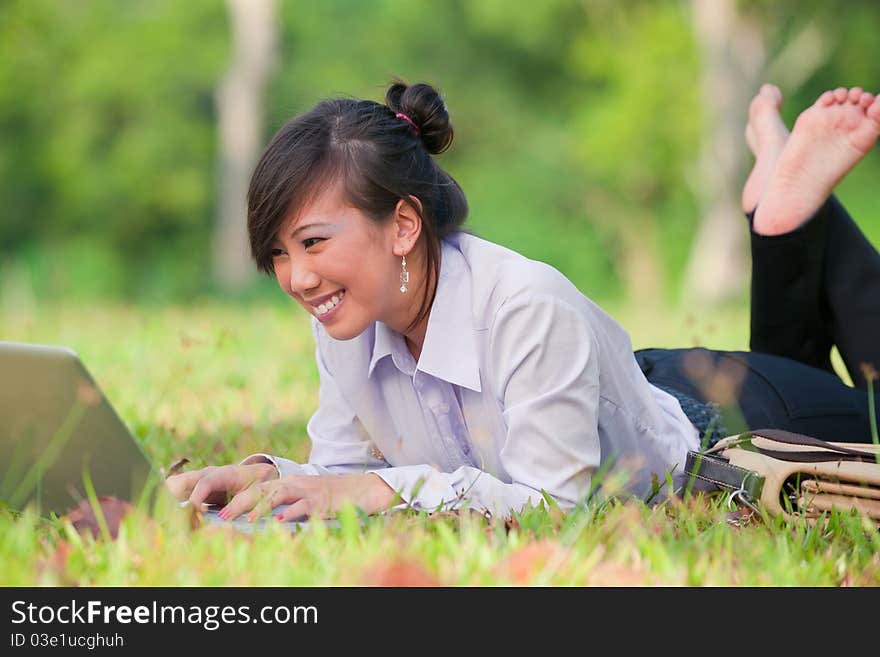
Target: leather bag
[(791, 474)]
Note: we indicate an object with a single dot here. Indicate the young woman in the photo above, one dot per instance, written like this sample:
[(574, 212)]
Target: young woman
[(456, 373)]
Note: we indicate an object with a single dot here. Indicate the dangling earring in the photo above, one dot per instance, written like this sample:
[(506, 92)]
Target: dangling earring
[(404, 277)]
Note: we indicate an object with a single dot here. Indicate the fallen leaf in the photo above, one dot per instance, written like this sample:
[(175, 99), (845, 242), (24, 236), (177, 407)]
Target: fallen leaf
[(177, 466), (400, 572), (522, 565), (83, 517), (741, 517)]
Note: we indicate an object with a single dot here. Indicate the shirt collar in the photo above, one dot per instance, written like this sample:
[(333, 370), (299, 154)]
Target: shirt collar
[(450, 349)]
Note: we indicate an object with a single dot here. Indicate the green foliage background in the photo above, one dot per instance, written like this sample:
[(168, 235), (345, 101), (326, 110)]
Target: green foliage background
[(578, 122), (573, 120)]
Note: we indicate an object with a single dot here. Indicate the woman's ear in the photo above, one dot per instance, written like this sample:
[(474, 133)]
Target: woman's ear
[(407, 225)]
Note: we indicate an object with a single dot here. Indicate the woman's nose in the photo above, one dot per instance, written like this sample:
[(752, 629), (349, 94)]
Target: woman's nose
[(302, 279)]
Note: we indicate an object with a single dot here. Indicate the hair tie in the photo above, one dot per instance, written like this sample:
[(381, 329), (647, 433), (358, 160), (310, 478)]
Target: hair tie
[(401, 115)]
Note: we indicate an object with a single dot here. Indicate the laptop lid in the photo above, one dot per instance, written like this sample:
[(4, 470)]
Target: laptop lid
[(55, 426)]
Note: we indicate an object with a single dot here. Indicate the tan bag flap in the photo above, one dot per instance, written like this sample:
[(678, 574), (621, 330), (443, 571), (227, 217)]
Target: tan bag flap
[(776, 472), (816, 503), (813, 486)]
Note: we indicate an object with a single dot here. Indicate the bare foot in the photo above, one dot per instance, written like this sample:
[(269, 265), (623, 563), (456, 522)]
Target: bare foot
[(828, 140), (766, 135)]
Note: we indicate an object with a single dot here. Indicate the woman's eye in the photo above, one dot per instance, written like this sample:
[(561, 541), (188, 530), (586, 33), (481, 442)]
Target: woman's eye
[(311, 241), (277, 252)]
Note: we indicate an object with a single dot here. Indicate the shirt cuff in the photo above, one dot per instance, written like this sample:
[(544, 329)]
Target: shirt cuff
[(421, 487), (285, 467)]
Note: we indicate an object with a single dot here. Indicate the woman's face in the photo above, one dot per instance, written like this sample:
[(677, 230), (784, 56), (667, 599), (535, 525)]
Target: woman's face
[(340, 266)]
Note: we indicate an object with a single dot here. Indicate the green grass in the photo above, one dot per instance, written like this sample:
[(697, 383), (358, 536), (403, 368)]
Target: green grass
[(217, 382)]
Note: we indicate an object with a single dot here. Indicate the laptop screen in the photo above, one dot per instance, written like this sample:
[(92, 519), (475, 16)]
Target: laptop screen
[(58, 430)]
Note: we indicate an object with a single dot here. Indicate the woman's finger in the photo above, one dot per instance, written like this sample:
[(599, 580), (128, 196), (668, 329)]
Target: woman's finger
[(181, 485), (277, 492), (243, 501), (299, 510), (210, 488)]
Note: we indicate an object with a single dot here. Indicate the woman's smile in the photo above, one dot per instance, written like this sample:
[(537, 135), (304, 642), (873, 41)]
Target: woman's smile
[(327, 310)]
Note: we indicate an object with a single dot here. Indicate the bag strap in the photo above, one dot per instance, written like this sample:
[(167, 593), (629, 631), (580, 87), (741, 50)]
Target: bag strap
[(717, 470), (837, 453)]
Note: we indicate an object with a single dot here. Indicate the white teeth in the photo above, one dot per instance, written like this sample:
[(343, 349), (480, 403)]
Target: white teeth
[(327, 306)]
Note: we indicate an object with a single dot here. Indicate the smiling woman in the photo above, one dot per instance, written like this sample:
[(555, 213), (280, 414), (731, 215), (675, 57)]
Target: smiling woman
[(323, 195), (330, 251), (457, 373)]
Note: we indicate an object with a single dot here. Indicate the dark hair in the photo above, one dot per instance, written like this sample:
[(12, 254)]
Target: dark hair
[(379, 158)]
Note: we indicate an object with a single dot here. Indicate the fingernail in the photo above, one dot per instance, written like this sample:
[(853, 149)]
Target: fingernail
[(279, 516), (223, 513)]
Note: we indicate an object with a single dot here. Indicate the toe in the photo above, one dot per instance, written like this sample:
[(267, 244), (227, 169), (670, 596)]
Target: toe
[(866, 100), (772, 92), (826, 99), (767, 94), (874, 109), (855, 94), (840, 94)]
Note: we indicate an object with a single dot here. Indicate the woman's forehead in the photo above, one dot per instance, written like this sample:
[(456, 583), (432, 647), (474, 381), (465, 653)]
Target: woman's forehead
[(326, 206)]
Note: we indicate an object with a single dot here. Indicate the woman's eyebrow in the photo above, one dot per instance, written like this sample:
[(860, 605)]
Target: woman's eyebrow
[(301, 228)]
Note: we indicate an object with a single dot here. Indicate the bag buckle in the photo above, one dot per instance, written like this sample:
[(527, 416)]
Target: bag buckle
[(741, 495)]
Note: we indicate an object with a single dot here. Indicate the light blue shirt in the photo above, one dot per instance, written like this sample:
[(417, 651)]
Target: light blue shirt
[(523, 385)]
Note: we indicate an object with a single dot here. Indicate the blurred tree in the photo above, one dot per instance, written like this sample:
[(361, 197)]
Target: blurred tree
[(240, 111), (733, 55), (733, 38)]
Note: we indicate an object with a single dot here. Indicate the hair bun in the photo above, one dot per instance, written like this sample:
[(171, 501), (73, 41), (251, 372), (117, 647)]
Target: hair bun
[(423, 104)]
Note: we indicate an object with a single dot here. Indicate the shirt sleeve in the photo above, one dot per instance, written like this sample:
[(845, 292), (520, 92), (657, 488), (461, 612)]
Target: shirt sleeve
[(544, 370)]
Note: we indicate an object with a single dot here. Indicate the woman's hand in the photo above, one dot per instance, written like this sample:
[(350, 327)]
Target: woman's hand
[(312, 496), (215, 484)]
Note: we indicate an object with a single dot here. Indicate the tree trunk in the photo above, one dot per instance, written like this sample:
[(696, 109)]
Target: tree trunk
[(733, 59), (239, 101)]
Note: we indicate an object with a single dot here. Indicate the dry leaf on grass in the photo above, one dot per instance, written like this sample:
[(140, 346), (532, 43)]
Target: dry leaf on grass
[(83, 517), (177, 466), (741, 517), (399, 572), (525, 563)]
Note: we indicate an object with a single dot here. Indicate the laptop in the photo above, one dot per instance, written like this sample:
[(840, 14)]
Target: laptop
[(58, 431)]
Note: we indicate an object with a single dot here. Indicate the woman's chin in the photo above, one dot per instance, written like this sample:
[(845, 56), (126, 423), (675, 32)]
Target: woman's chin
[(341, 331)]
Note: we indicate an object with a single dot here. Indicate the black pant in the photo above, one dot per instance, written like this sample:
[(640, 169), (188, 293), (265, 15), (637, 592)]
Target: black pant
[(812, 288)]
